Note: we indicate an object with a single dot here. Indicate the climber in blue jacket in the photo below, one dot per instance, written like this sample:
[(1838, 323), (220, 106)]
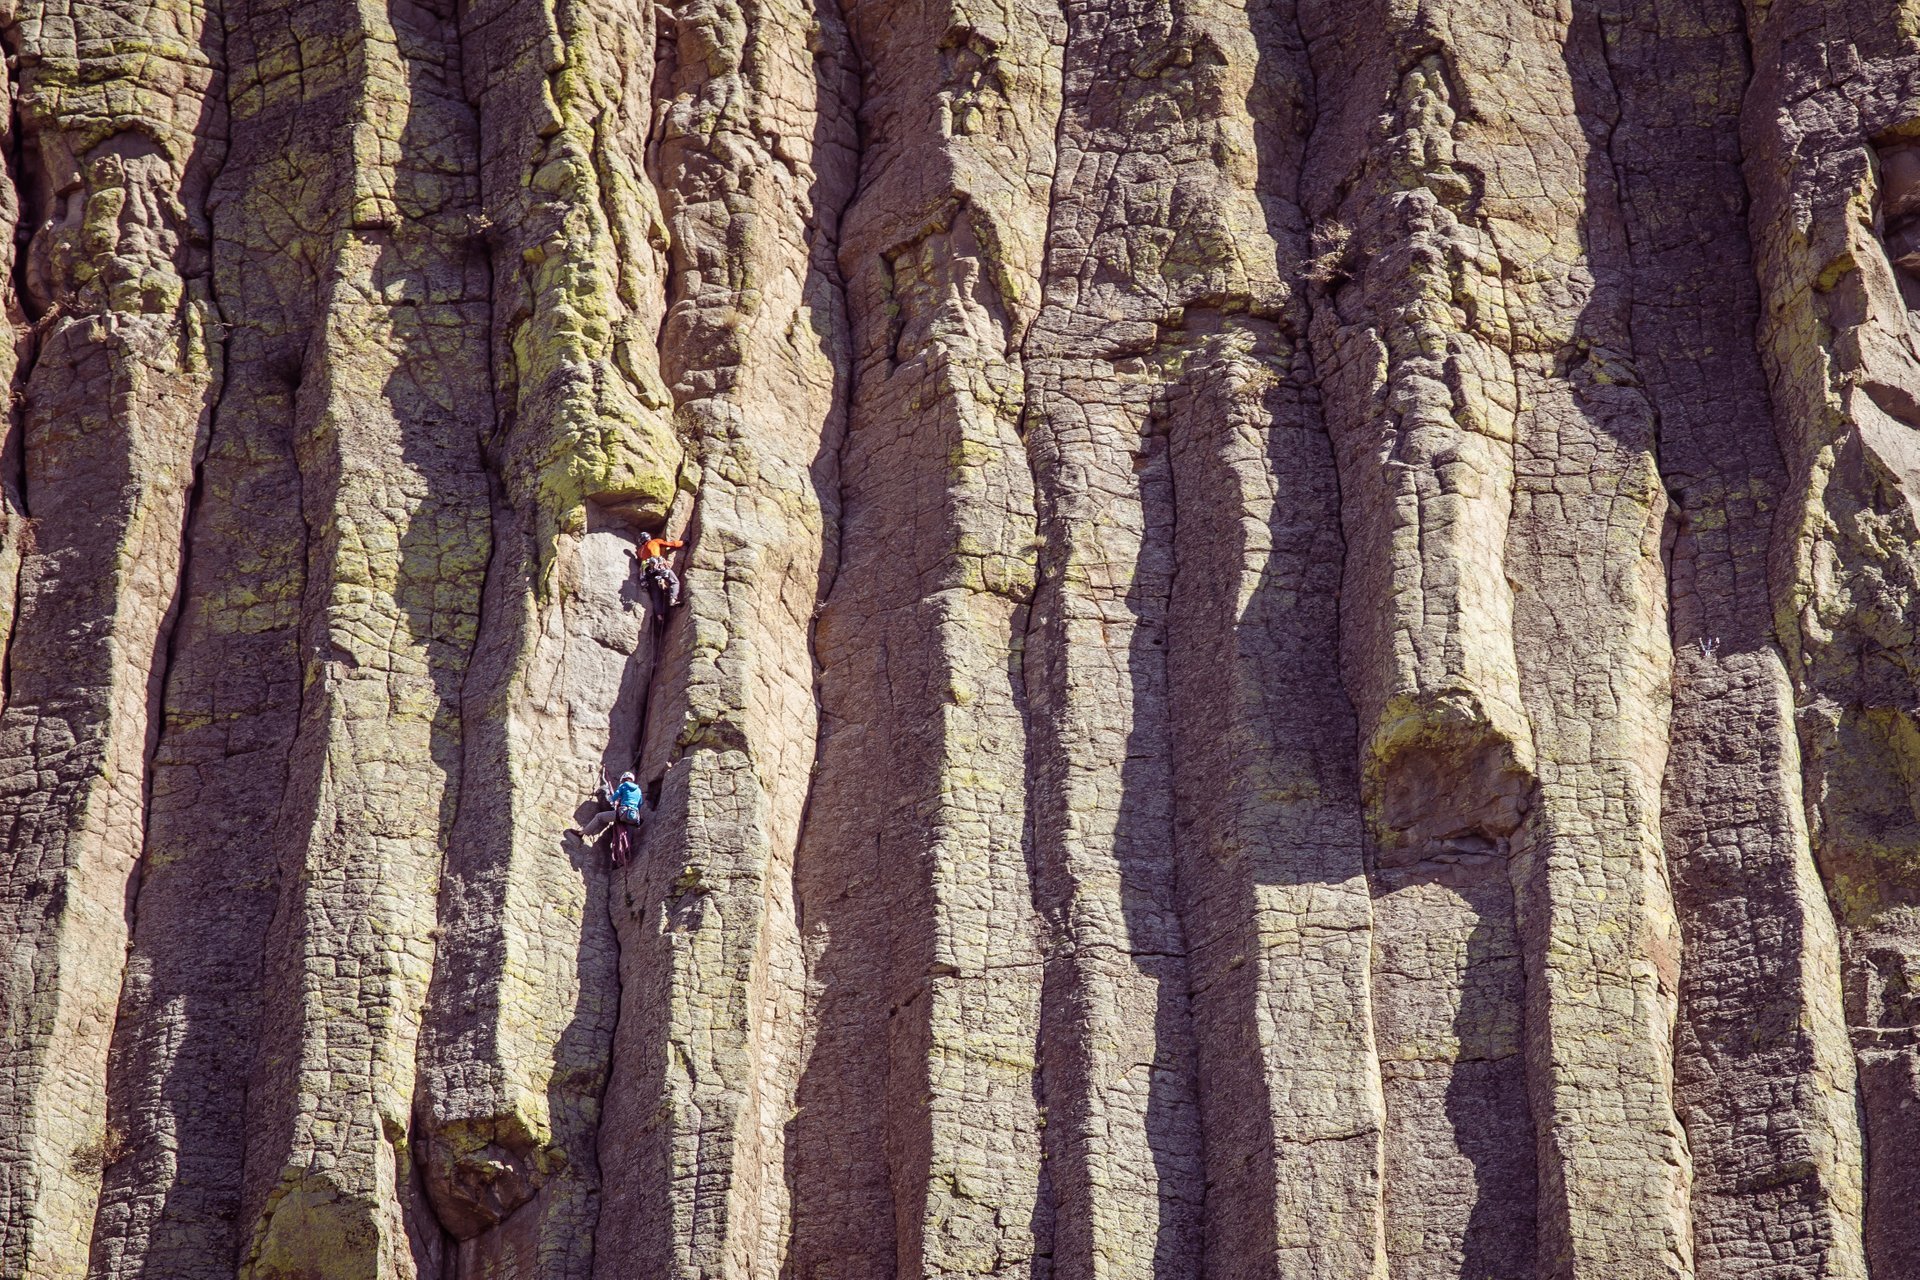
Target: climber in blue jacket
[(624, 801)]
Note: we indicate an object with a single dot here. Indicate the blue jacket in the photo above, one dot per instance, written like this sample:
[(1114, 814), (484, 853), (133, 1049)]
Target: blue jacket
[(628, 799)]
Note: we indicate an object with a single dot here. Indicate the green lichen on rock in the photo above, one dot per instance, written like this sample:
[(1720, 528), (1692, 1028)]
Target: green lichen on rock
[(591, 420)]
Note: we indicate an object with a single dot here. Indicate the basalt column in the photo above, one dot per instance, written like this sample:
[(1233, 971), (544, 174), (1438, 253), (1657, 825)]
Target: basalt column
[(1584, 551), (751, 155), (13, 509), (1268, 820), (917, 1143), (1474, 352), (517, 1042), (1829, 129), (1412, 347), (120, 130), (1273, 901), (1763, 1073), (189, 1016), (1166, 332), (1297, 658), (391, 406)]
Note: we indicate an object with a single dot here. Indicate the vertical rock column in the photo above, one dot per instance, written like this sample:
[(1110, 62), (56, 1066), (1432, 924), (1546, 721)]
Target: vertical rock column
[(918, 1138), (190, 1010), (1596, 917), (1478, 330), (1412, 351), (752, 158), (393, 403), (121, 137), (1269, 823), (1412, 344), (516, 1046), (1764, 1074), (1272, 894), (13, 508), (1164, 320), (1832, 224)]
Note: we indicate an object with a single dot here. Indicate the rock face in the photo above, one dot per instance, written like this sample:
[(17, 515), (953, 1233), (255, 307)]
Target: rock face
[(1301, 653)]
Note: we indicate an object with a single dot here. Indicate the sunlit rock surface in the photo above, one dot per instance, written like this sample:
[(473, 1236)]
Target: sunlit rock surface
[(1301, 652)]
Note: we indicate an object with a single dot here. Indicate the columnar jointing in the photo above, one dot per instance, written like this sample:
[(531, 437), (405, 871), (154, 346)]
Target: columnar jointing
[(1828, 131), (1271, 872), (1594, 909), (190, 1009), (517, 1046), (751, 156), (386, 428), (917, 1143), (1412, 346), (1763, 1076), (1296, 662), (14, 525), (1504, 636), (120, 127), (1116, 1039)]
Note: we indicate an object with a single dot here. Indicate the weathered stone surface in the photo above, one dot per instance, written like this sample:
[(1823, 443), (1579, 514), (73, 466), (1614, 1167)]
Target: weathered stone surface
[(1830, 105), (1763, 1076), (917, 1143), (386, 435), (1298, 656), (516, 1046), (118, 120), (751, 154)]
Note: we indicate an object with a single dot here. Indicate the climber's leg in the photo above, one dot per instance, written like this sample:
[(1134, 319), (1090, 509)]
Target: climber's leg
[(665, 579)]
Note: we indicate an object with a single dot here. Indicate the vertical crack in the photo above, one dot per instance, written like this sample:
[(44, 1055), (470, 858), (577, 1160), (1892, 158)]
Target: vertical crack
[(212, 332), (479, 240), (15, 543), (826, 253), (1021, 428)]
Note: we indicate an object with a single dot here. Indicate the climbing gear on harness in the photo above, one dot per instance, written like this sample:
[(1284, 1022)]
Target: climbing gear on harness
[(626, 807), (655, 569), (620, 845), (662, 579), (627, 799)]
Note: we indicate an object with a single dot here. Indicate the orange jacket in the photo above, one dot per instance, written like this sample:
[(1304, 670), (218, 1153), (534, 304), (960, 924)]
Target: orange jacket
[(657, 547)]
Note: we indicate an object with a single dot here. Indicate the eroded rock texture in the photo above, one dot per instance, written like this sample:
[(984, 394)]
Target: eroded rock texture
[(1301, 653)]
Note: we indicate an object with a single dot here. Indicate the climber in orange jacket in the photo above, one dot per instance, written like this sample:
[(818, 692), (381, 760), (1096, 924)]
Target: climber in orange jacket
[(654, 569)]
